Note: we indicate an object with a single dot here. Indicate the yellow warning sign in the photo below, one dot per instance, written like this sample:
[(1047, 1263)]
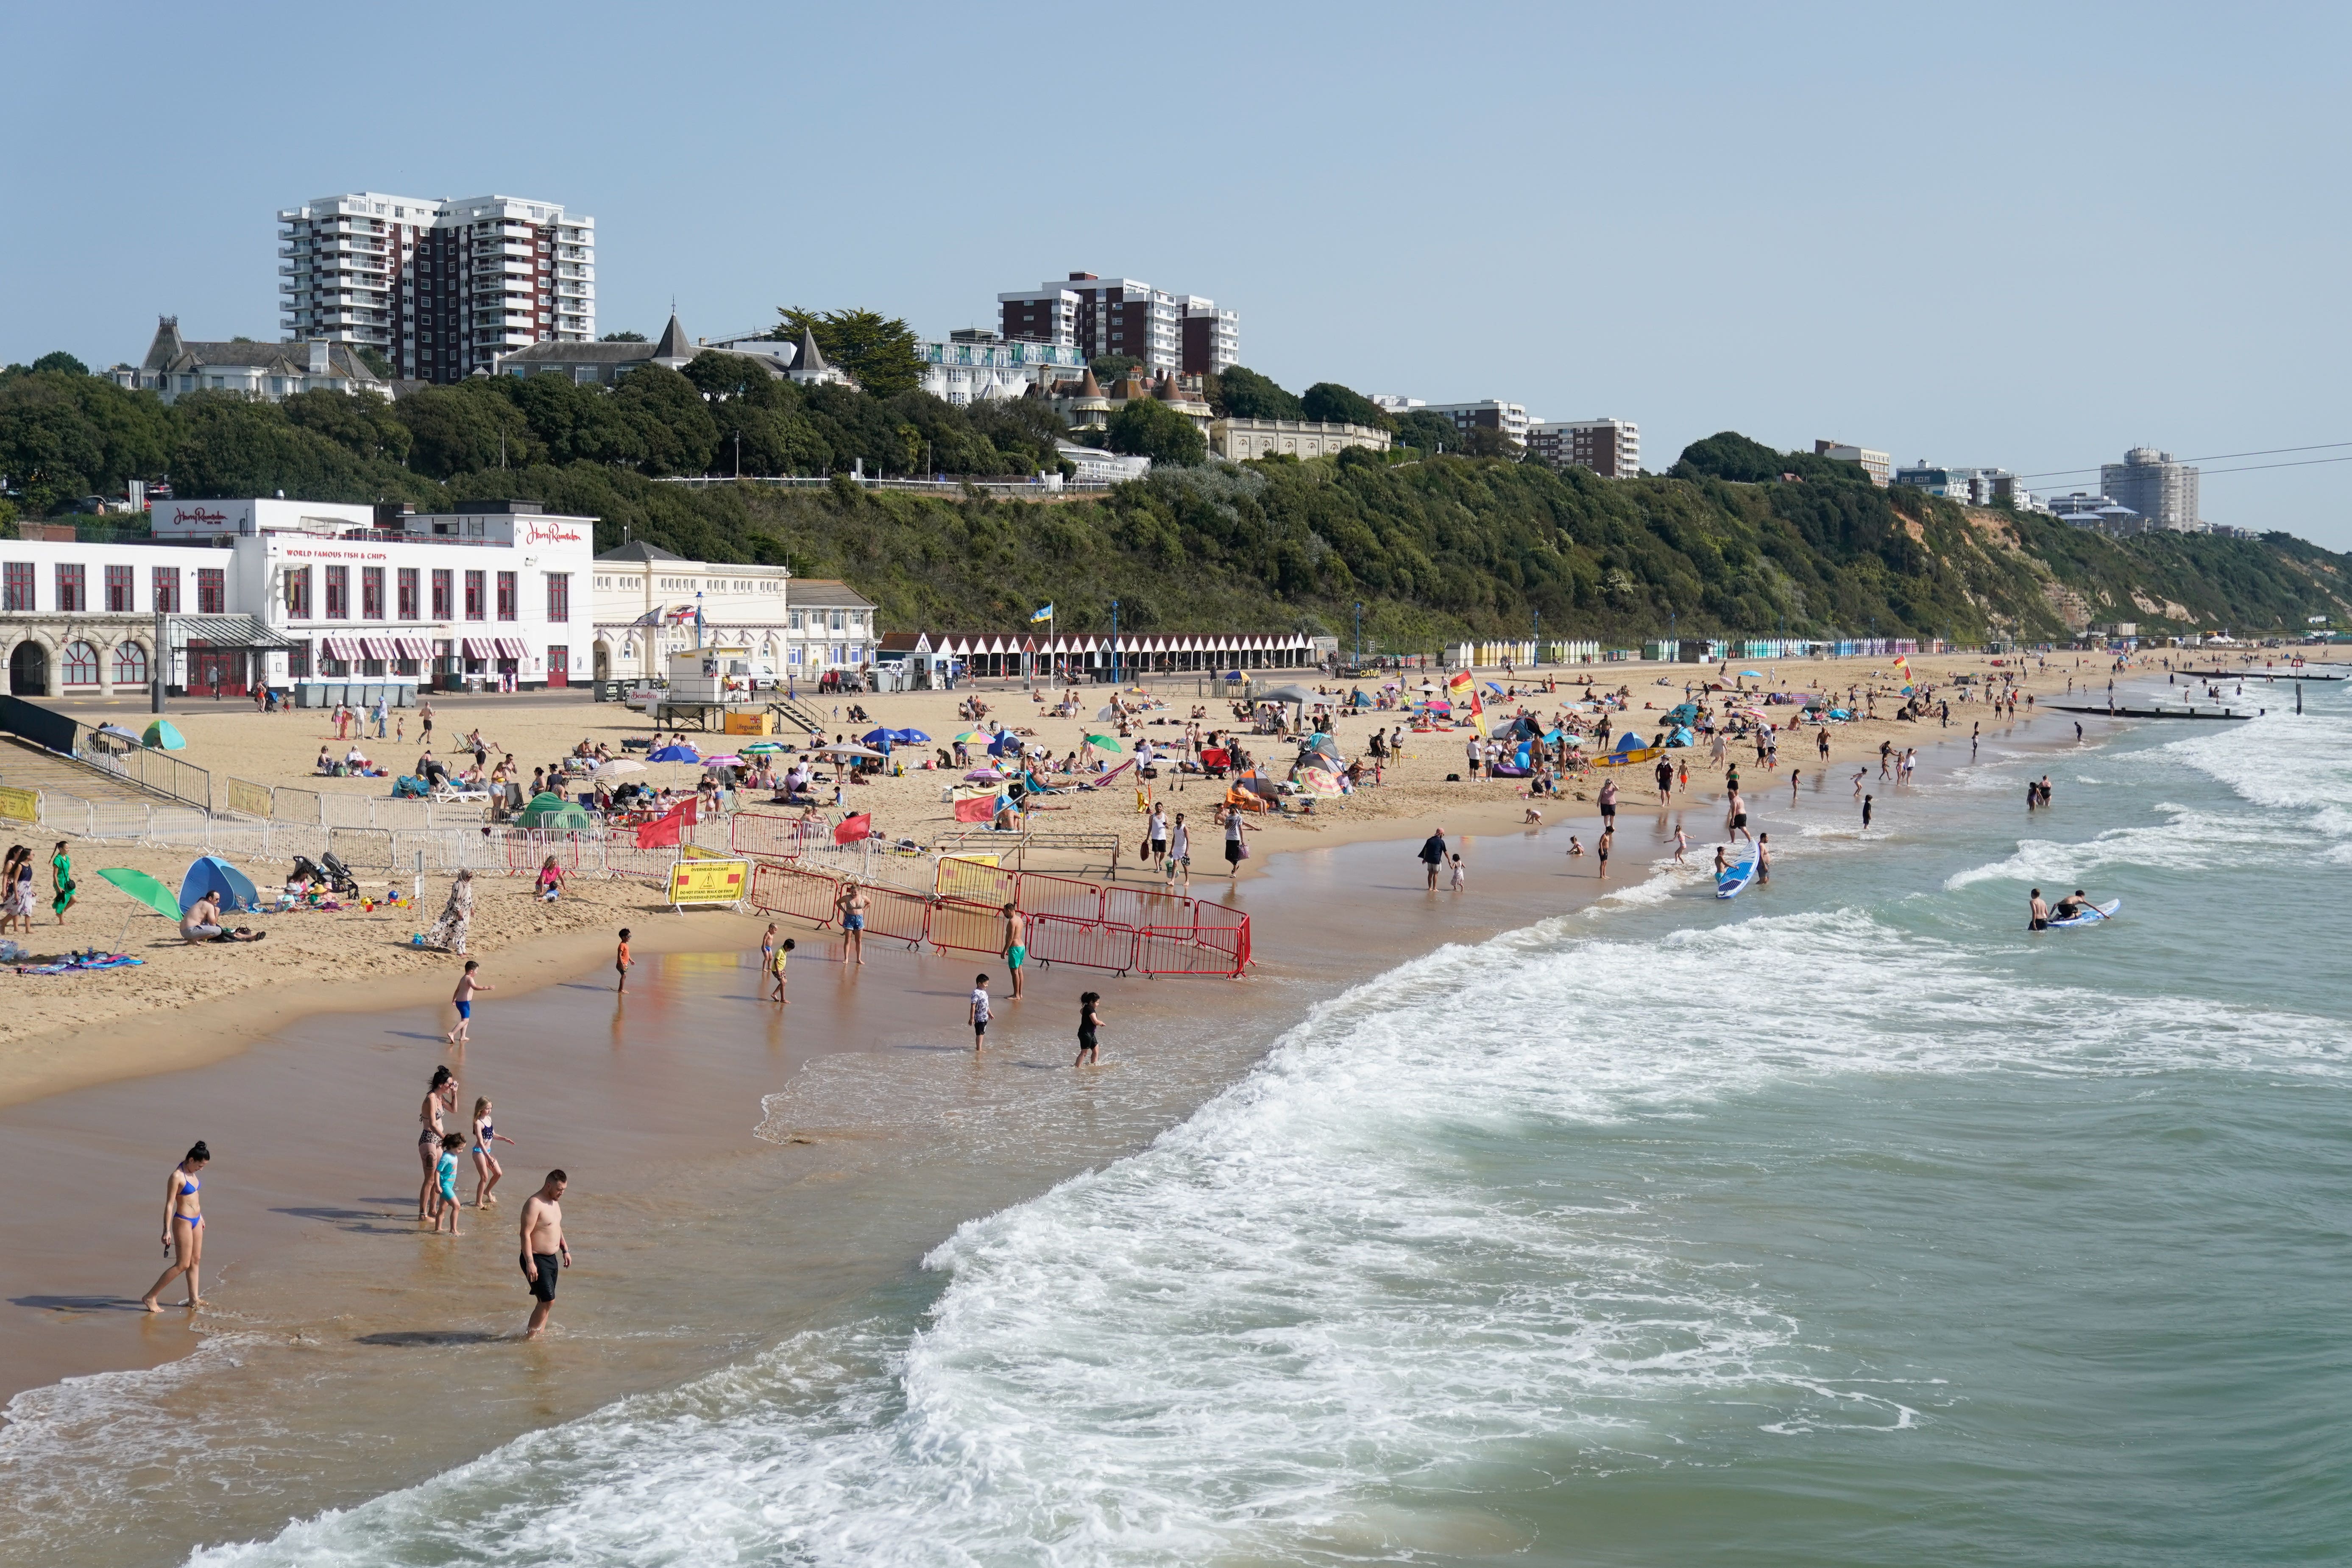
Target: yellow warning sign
[(708, 882)]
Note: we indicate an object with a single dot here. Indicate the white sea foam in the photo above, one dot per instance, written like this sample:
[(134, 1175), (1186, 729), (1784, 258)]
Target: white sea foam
[(1332, 1290)]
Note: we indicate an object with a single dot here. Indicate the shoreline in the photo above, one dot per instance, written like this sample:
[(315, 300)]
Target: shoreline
[(835, 1174)]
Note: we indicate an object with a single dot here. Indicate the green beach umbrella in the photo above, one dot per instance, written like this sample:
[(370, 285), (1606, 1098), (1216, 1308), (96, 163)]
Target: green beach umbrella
[(1105, 742), (763, 748), (161, 735), (146, 889)]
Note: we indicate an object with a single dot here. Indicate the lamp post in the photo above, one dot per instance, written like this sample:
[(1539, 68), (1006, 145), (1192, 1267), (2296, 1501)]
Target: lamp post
[(1114, 642), (1360, 633)]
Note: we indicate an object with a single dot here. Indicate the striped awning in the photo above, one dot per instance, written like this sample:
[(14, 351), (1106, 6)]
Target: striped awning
[(512, 647), (479, 648), (377, 647), (341, 648), (413, 647)]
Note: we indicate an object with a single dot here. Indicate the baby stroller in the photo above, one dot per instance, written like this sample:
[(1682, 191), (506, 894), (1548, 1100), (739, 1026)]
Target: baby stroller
[(333, 875)]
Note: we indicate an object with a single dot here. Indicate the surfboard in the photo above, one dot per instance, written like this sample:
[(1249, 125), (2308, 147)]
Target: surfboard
[(2091, 916), (1734, 882)]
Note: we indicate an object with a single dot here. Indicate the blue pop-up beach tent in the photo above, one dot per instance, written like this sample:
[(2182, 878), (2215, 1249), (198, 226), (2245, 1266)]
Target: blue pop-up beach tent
[(211, 873)]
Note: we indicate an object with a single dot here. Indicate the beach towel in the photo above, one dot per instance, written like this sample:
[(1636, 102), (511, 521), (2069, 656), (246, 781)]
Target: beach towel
[(82, 961)]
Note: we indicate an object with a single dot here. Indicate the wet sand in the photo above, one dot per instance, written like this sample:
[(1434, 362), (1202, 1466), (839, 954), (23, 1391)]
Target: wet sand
[(740, 1172)]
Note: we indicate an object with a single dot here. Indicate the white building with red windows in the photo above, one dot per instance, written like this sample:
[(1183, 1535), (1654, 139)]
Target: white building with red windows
[(283, 592)]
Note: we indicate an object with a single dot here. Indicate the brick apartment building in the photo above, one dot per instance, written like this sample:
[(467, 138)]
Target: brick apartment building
[(1610, 447), (1185, 335), (438, 288)]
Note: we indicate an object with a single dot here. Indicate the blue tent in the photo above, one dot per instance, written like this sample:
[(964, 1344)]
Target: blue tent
[(679, 754), (211, 873), (1006, 744)]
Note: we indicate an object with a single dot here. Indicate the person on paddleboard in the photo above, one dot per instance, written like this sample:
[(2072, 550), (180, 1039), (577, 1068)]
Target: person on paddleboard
[(2072, 905)]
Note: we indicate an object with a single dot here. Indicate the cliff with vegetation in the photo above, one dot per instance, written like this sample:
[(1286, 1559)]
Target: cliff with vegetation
[(1735, 538)]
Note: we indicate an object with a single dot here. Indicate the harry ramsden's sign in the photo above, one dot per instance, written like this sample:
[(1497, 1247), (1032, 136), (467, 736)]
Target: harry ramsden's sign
[(551, 533)]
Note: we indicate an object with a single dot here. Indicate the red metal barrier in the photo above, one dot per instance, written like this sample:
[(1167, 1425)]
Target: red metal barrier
[(898, 914), (1059, 897), (788, 891), (974, 883), (1141, 907), (961, 926), (1192, 950), (1086, 943)]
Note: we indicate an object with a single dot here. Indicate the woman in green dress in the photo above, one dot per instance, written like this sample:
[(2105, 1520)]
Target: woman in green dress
[(61, 878)]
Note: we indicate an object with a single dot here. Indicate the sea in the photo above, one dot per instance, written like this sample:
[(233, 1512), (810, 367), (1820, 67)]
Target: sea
[(1847, 1222)]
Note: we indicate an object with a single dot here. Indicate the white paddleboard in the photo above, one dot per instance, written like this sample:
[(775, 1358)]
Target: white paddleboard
[(2091, 916)]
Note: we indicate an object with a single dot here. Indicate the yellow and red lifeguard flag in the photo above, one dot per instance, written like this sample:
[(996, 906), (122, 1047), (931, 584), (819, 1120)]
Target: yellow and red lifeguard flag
[(1459, 685)]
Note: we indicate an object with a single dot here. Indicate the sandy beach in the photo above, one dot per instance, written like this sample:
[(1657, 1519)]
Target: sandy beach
[(184, 1005), (707, 1130)]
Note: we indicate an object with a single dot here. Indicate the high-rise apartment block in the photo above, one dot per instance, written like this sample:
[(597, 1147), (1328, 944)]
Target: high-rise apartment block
[(1511, 418), (1610, 447), (1184, 335), (1879, 466), (440, 287), (2153, 485)]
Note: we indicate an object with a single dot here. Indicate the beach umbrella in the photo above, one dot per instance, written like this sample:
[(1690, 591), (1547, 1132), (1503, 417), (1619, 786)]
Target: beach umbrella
[(117, 732), (676, 753), (1105, 742), (161, 735), (878, 737), (914, 737), (1109, 714), (763, 748), (846, 752), (1495, 689), (728, 760), (147, 889), (1751, 675), (970, 735), (616, 767)]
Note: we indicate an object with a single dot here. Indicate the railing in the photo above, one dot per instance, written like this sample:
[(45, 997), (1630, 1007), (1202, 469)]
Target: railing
[(1068, 921)]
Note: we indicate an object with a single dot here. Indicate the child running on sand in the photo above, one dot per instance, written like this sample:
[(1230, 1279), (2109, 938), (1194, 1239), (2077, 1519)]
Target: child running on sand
[(1089, 1016), (462, 1000), (623, 963)]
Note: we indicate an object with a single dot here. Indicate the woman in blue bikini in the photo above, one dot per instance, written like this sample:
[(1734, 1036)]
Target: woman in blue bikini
[(184, 1226)]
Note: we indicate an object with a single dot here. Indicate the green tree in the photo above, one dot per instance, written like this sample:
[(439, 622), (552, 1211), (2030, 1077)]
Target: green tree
[(363, 424), (1108, 368), (625, 337), (1244, 394), (878, 352), (466, 428), (229, 446), (60, 361), (672, 422), (66, 435), (1148, 427), (1429, 432), (375, 361), (1328, 400)]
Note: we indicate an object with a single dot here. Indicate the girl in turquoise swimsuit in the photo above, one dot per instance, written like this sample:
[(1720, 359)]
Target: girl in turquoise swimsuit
[(184, 1226)]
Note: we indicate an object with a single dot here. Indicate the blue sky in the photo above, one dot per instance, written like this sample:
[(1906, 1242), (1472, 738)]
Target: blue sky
[(2026, 237)]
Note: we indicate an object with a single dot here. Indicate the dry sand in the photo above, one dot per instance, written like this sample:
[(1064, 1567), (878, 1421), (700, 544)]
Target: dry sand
[(187, 1005)]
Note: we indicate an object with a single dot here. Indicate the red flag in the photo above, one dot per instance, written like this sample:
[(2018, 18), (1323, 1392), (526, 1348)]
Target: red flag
[(654, 835), (979, 808), (853, 828), (688, 810)]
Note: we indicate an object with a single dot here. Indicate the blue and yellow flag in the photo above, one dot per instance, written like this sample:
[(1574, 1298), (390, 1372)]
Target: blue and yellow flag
[(1045, 615)]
